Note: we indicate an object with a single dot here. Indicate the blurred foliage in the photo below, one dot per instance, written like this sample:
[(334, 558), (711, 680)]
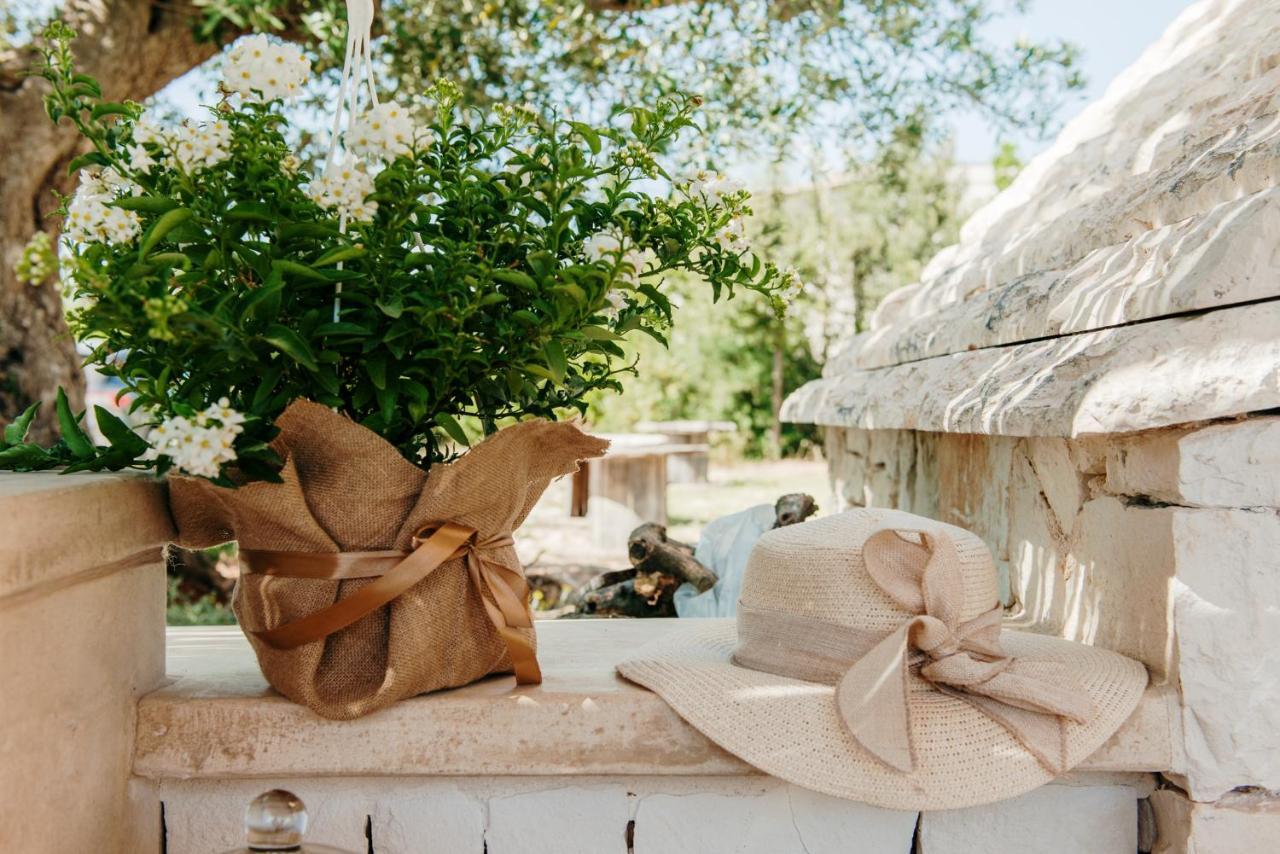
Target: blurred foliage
[(1006, 164), (855, 239), (849, 76), (187, 610)]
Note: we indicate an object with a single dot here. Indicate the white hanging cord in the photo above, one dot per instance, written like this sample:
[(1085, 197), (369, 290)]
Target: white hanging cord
[(357, 69)]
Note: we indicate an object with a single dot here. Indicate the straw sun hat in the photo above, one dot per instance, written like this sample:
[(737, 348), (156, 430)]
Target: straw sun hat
[(868, 663)]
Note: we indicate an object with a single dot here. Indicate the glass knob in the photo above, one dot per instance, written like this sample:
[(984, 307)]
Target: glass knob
[(275, 821)]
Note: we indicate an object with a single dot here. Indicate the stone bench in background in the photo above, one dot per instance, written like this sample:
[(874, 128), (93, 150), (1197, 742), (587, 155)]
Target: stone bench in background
[(1089, 381)]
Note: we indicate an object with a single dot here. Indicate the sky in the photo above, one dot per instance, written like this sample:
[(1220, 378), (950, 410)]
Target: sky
[(1111, 34)]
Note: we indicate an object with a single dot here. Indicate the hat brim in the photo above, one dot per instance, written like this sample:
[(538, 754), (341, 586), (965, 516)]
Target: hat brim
[(790, 728)]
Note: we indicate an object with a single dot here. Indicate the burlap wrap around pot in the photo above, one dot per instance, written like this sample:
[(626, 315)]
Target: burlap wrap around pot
[(346, 489)]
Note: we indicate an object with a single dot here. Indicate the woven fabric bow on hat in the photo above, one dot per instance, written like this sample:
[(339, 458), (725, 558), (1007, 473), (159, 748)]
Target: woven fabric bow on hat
[(1032, 700)]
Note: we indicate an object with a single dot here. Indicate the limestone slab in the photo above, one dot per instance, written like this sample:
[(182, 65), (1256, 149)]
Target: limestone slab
[(1236, 464), (1158, 374), (1225, 256), (1049, 820), (218, 719)]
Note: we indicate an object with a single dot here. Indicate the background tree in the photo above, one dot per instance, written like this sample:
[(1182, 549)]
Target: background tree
[(854, 238), (856, 76)]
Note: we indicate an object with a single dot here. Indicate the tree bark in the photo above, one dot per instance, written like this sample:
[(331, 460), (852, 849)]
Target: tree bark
[(134, 48)]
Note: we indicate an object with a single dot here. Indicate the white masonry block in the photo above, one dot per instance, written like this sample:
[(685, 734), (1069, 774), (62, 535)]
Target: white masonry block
[(1224, 465), (1239, 823), (561, 820), (778, 819), (1053, 819)]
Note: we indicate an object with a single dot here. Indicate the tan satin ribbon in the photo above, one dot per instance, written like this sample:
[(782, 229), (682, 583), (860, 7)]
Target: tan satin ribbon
[(1032, 700), (395, 572)]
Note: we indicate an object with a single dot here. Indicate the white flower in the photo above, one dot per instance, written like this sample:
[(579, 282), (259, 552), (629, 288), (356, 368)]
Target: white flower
[(710, 186), (199, 146), (343, 188), (146, 130), (734, 236), (602, 244), (140, 160), (608, 246), (90, 219), (259, 66), (201, 445), (614, 303), (383, 132)]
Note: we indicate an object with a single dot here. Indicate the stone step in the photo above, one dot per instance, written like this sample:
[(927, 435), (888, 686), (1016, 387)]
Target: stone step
[(217, 719)]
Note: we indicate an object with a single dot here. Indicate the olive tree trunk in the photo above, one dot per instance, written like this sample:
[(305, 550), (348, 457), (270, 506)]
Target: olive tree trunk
[(133, 47)]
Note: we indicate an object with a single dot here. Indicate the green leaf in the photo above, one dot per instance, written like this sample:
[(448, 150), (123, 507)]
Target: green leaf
[(163, 226), (342, 253), (599, 333), (145, 204), (91, 158), (300, 270), (78, 442), (16, 430), (556, 360), (376, 366), (453, 428), (588, 134), (291, 344), (122, 438), (26, 457), (342, 328), (515, 277), (112, 108), (391, 308)]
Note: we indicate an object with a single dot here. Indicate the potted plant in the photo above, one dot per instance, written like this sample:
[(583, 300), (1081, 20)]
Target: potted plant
[(311, 348)]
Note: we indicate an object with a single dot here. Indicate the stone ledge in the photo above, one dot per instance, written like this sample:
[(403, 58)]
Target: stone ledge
[(218, 719), (1155, 374), (54, 528)]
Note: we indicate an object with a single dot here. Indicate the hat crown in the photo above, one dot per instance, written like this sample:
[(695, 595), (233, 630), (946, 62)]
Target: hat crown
[(816, 569)]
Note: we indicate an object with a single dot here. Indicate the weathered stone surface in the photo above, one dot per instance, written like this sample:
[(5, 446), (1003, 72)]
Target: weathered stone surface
[(218, 719), (1050, 820), (776, 819), (568, 820), (79, 642), (1222, 257), (1190, 125), (46, 520), (1224, 465), (1239, 822), (1227, 614), (1149, 375)]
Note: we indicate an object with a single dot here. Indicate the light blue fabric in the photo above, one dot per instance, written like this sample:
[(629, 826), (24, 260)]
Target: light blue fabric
[(724, 548)]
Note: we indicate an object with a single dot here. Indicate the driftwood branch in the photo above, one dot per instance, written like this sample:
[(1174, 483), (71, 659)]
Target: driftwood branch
[(659, 565)]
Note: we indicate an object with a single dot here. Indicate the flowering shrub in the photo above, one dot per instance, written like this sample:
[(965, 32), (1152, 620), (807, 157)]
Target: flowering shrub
[(444, 264)]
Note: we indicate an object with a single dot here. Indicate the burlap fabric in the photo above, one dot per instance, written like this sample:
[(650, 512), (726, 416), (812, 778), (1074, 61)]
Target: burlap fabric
[(347, 489)]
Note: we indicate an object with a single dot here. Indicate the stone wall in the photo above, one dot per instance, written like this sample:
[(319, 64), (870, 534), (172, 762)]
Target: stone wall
[(82, 592), (1090, 380), (1163, 545)]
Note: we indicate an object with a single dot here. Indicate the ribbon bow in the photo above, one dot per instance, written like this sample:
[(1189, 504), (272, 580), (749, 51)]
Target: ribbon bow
[(1033, 700), (394, 572)]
